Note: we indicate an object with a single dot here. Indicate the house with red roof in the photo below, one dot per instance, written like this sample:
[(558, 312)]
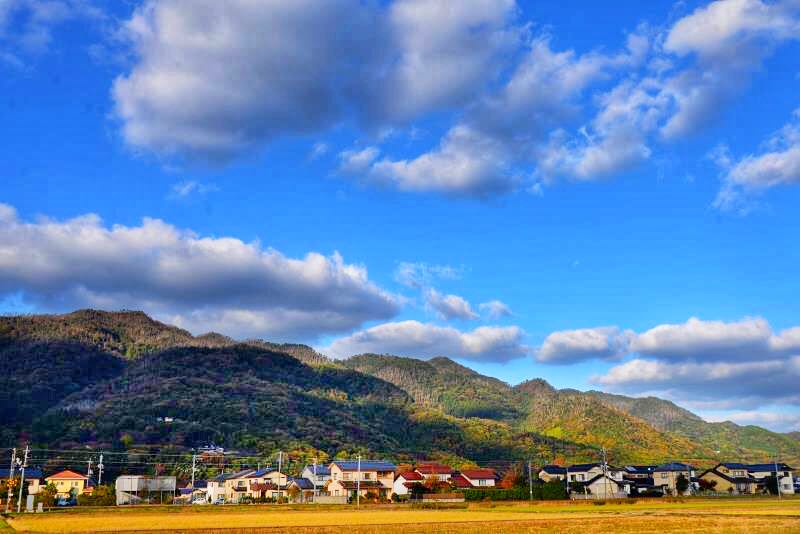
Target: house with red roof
[(69, 483), (480, 478), (436, 471)]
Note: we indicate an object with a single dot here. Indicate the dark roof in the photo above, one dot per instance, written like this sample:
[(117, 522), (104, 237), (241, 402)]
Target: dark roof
[(200, 484), (261, 472), (583, 467), (303, 483), (555, 470), (733, 465), (674, 466), (322, 470), (639, 469), (366, 465), (740, 480), (756, 467), (30, 473)]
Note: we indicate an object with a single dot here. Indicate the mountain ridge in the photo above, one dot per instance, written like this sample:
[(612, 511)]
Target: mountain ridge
[(98, 372)]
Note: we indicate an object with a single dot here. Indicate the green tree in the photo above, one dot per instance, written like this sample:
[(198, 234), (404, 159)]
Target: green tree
[(47, 496)]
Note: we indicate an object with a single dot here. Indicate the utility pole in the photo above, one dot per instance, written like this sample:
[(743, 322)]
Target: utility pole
[(358, 483), (100, 471), (194, 463), (605, 474), (530, 480), (315, 481), (11, 477), (777, 479), (22, 479), (89, 469)]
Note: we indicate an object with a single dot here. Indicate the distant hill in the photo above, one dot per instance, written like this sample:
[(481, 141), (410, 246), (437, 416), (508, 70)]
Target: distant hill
[(730, 439), (442, 383), (107, 379)]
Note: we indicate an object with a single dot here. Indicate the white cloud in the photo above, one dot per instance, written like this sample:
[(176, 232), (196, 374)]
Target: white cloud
[(774, 420), (422, 340), (26, 26), (729, 39), (718, 29), (761, 381), (187, 188), (318, 150), (420, 274), (712, 364), (215, 79), (706, 340), (442, 54), (481, 154), (449, 306), (223, 283), (778, 164), (495, 309), (572, 346)]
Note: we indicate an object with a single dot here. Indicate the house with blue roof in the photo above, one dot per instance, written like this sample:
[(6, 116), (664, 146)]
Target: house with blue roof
[(367, 478)]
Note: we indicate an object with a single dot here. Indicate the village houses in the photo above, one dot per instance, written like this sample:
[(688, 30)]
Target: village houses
[(365, 477)]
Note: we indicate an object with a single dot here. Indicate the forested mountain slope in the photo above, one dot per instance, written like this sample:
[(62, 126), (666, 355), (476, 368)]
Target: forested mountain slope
[(108, 379)]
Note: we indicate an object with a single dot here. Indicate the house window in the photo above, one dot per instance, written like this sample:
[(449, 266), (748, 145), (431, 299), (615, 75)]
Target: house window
[(347, 476), (580, 477), (367, 476), (664, 475)]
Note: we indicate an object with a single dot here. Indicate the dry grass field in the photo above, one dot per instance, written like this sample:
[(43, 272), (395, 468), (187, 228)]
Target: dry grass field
[(691, 515)]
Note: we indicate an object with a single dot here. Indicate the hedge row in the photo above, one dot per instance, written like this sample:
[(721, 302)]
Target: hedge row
[(547, 491)]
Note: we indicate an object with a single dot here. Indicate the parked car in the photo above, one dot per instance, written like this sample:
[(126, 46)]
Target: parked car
[(66, 501), (220, 500)]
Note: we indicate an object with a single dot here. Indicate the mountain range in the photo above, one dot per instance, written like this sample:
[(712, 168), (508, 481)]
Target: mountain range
[(112, 379)]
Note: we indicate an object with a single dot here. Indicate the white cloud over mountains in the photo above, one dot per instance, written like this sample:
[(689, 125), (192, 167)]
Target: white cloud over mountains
[(202, 283), (213, 80), (425, 340), (571, 346), (701, 361)]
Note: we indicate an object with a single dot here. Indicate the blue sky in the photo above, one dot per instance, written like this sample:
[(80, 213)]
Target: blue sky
[(366, 176)]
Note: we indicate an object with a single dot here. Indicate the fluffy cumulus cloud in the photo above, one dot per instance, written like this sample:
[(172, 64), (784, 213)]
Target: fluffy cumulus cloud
[(753, 382), (778, 164), (202, 283), (711, 362), (495, 309), (449, 306), (693, 70), (572, 346), (424, 340), (216, 79)]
